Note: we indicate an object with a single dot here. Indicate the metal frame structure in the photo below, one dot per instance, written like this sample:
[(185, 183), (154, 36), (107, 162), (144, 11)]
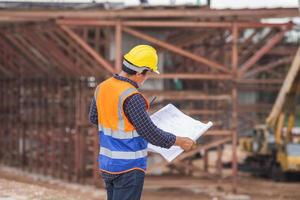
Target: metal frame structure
[(49, 60)]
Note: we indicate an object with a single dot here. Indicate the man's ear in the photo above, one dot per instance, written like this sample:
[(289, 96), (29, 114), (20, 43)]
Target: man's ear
[(139, 74)]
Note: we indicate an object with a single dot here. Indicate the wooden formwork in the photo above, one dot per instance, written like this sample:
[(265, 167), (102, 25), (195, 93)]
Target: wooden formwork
[(50, 63)]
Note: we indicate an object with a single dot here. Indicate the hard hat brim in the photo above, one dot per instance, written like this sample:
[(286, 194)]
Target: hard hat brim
[(156, 71)]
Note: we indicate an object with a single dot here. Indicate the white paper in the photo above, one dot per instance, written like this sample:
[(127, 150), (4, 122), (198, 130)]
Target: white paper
[(172, 120)]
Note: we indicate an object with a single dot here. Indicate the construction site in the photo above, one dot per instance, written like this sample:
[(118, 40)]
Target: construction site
[(239, 68)]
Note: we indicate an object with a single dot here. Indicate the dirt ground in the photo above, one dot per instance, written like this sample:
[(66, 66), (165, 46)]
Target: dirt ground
[(18, 185)]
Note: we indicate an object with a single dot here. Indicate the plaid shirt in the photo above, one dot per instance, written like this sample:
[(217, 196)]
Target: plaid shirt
[(135, 110)]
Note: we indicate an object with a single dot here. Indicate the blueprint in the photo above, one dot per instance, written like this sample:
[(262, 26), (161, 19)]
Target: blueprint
[(172, 120)]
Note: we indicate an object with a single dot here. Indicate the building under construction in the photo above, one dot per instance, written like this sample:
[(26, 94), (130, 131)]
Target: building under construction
[(224, 65)]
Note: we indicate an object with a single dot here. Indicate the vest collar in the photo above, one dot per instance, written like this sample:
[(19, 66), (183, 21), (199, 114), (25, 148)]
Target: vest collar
[(122, 78)]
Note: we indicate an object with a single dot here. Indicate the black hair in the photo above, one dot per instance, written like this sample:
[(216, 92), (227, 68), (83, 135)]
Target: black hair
[(132, 72)]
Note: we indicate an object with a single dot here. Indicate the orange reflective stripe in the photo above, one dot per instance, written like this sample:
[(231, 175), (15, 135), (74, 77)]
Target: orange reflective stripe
[(135, 168)]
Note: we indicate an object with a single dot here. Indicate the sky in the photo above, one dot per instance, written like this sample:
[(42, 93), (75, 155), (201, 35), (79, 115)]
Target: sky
[(214, 3)]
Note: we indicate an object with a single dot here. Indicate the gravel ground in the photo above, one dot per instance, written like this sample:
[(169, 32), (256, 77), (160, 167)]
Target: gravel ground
[(18, 185), (205, 188), (13, 190)]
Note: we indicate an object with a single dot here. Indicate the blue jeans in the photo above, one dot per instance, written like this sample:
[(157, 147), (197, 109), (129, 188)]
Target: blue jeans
[(127, 186)]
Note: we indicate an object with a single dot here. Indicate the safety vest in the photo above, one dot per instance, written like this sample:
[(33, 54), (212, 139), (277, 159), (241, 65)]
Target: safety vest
[(121, 147)]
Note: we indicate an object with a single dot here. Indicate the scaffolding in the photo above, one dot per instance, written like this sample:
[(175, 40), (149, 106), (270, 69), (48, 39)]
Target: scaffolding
[(51, 61)]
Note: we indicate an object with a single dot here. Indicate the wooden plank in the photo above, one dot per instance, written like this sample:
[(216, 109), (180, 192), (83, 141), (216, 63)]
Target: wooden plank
[(194, 76), (261, 52), (25, 50), (167, 24), (234, 101), (257, 108), (218, 133), (219, 160), (8, 59), (187, 95), (177, 24), (47, 62), (34, 47), (268, 67), (82, 22), (64, 61), (205, 160), (283, 50), (234, 53), (184, 38), (202, 112), (259, 81), (148, 13), (83, 68), (101, 61), (7, 67), (279, 126), (254, 45), (234, 125), (81, 55), (272, 88), (288, 82), (247, 41), (175, 49), (118, 46)]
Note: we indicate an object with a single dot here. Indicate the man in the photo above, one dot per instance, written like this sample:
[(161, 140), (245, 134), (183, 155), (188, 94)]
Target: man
[(125, 128)]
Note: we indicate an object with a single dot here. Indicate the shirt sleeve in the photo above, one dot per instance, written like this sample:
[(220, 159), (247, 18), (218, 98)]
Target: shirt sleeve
[(93, 114), (136, 112)]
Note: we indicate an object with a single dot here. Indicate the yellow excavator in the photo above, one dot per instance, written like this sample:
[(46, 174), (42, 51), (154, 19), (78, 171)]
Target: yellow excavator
[(274, 147)]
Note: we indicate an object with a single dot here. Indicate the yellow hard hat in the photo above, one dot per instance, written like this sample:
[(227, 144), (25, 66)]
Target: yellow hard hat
[(141, 57)]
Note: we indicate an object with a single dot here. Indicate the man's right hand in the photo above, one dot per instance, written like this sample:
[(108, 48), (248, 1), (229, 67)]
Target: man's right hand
[(184, 142)]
